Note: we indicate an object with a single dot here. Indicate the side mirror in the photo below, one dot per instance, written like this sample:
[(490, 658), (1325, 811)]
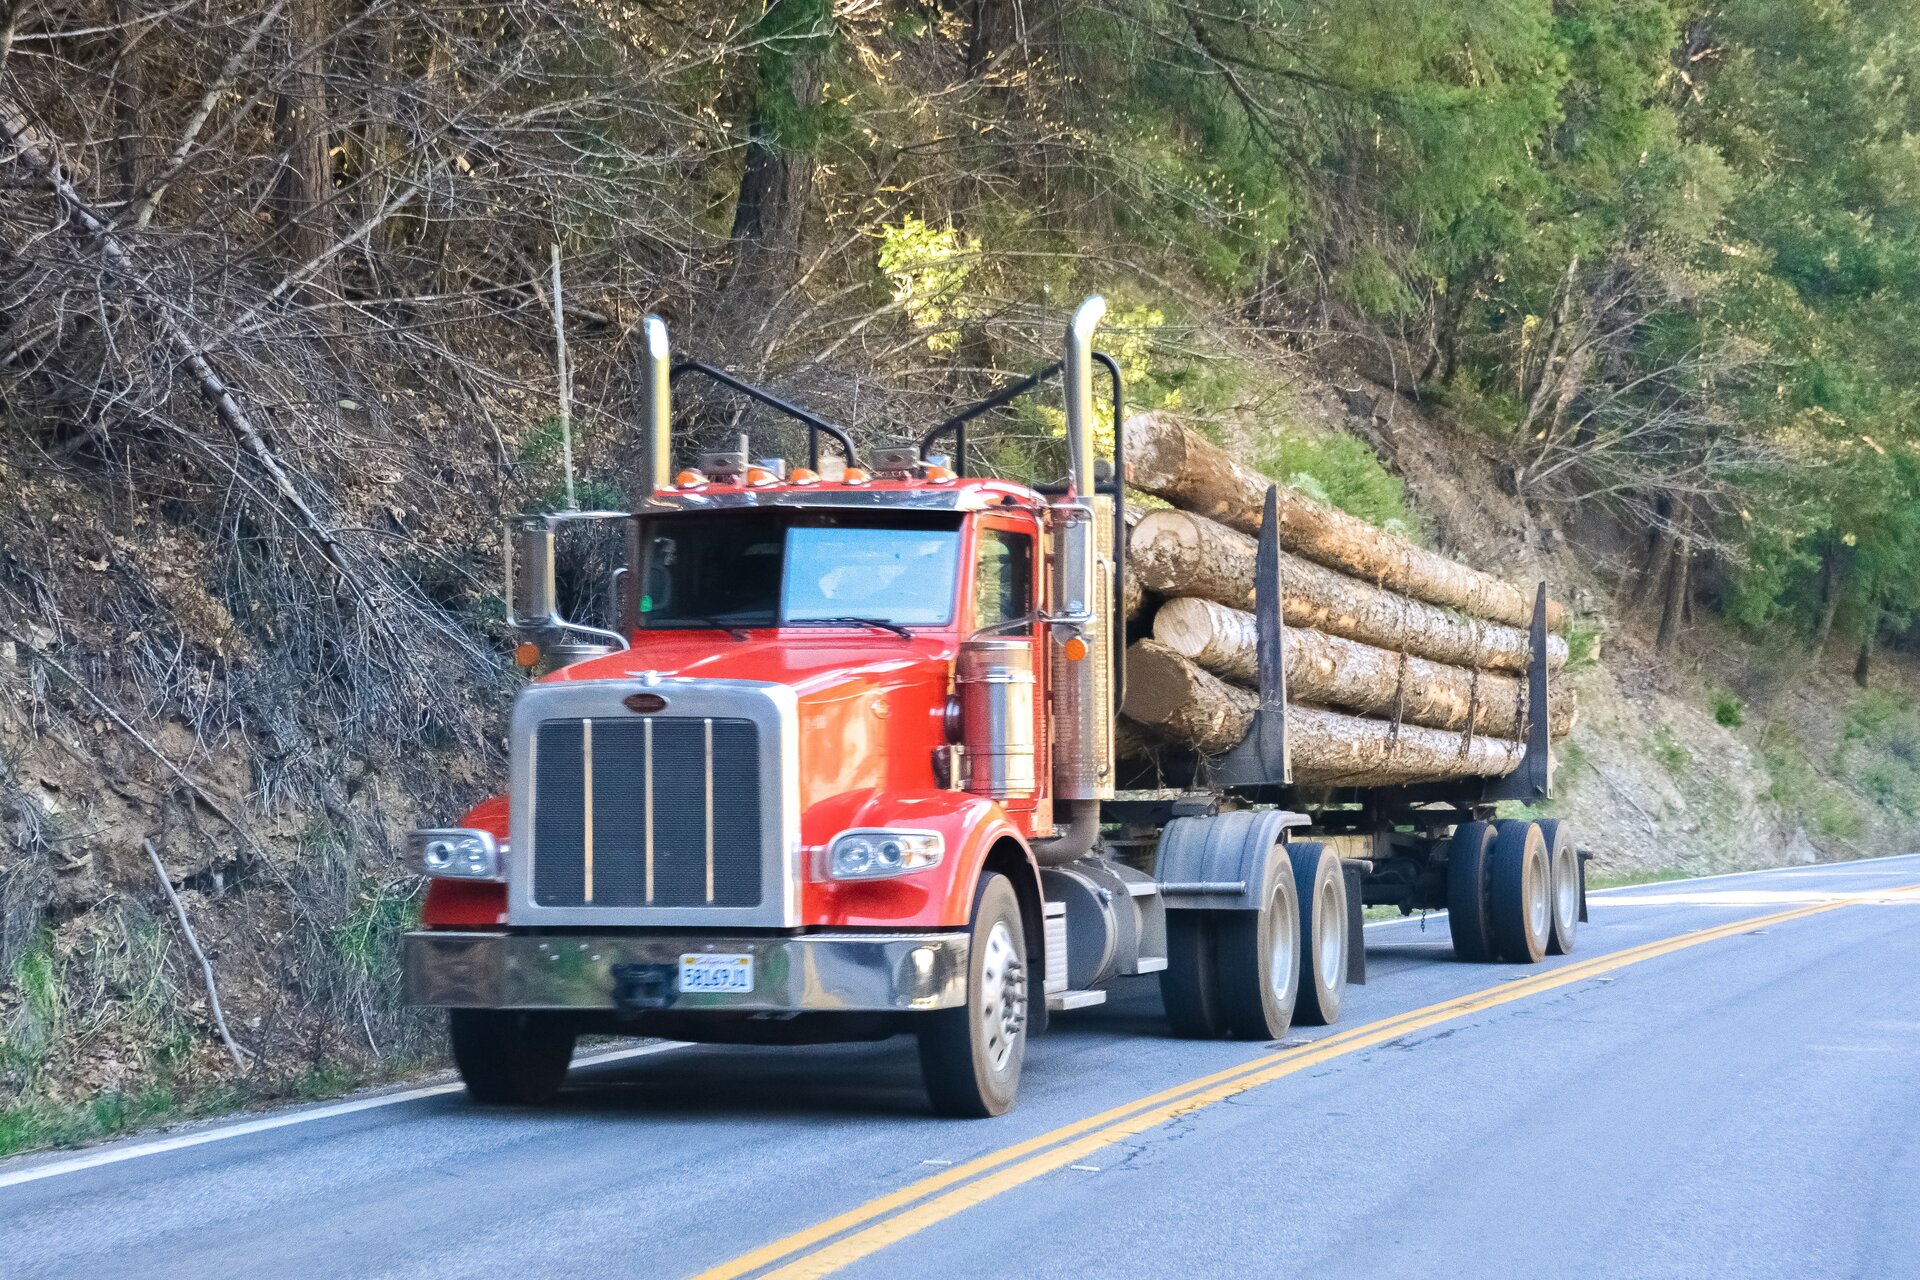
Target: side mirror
[(531, 598), (1074, 551)]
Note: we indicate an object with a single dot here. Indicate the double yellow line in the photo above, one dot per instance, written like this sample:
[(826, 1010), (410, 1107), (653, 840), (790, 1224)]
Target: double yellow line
[(914, 1208)]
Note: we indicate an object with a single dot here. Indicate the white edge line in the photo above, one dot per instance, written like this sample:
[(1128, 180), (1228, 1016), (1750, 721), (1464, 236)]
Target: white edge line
[(106, 1155), (1804, 868)]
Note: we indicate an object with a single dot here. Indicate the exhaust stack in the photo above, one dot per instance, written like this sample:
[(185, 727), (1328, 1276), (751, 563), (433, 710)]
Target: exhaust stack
[(1083, 589), (656, 413)]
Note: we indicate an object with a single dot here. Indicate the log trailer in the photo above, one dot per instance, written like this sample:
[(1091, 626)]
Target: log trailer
[(844, 768)]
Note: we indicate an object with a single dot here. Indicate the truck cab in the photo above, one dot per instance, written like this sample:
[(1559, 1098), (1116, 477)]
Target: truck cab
[(813, 782)]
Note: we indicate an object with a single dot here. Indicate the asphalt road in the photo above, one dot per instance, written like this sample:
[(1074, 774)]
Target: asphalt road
[(1724, 1081)]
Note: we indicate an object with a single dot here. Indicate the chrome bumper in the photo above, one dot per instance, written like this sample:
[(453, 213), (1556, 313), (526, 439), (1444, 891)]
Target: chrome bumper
[(863, 972)]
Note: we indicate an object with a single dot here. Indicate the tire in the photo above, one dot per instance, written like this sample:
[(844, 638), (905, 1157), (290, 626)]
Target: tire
[(970, 1056), (1522, 903), (509, 1057), (1321, 887), (1467, 891), (1256, 957), (1563, 861), (1188, 988)]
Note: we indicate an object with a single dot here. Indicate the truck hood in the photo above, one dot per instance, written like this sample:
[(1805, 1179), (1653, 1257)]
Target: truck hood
[(811, 661)]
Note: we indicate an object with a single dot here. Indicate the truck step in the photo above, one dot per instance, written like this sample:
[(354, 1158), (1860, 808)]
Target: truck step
[(1056, 1001), (1149, 964)]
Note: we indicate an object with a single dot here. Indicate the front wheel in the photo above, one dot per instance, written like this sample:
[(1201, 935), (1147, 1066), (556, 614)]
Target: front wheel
[(509, 1057), (970, 1056)]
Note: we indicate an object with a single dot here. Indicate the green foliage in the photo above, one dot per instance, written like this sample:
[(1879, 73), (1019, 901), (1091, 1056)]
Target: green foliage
[(1339, 469), (1667, 750), (929, 268), (1583, 642), (382, 911), (1728, 709)]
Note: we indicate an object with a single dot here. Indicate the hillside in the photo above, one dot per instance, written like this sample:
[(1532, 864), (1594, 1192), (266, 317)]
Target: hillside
[(1613, 292)]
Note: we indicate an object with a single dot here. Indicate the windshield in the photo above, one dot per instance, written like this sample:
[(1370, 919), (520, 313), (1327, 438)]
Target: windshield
[(792, 568)]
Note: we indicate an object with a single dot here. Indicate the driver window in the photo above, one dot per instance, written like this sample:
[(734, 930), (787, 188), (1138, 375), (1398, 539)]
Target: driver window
[(1002, 578)]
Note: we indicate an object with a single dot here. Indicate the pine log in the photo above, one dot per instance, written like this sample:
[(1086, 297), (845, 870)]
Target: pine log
[(1164, 458), (1177, 553), (1176, 699), (1334, 671)]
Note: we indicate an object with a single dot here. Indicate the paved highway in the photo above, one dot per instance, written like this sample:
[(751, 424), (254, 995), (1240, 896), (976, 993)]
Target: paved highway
[(1724, 1081)]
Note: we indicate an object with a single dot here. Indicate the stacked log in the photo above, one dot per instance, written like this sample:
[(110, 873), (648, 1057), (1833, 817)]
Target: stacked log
[(1401, 665)]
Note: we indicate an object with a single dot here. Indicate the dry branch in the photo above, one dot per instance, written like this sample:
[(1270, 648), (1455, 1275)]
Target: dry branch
[(206, 966)]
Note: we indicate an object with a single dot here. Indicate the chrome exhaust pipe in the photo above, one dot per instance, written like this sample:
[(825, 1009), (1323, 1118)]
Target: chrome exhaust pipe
[(1080, 657), (656, 413)]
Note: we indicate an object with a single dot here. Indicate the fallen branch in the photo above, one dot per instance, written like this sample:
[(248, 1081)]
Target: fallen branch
[(206, 966)]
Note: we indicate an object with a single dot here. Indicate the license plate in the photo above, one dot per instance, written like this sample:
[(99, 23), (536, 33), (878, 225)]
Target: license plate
[(709, 972)]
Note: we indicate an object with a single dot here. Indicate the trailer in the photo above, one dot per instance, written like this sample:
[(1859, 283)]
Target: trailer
[(842, 766)]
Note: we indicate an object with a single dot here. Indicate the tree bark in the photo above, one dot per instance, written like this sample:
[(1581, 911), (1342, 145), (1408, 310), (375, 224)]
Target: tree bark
[(1673, 605), (1830, 577), (1176, 699), (1171, 462), (1331, 671), (777, 179), (1176, 553), (304, 193), (1862, 661)]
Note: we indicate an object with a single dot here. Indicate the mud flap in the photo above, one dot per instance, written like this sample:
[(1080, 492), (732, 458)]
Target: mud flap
[(1585, 857), (1356, 924)]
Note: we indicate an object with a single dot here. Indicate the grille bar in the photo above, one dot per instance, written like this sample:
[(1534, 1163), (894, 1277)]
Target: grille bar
[(647, 812)]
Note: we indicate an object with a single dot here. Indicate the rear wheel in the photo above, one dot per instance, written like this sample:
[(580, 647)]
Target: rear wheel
[(1188, 988), (1563, 859), (508, 1056), (1257, 963), (1467, 891), (970, 1056), (1522, 893), (1321, 886)]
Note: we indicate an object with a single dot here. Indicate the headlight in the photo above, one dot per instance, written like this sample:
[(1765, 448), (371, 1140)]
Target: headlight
[(874, 853), (456, 854)]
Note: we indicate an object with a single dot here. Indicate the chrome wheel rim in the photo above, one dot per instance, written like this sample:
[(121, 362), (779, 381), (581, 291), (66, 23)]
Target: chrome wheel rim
[(1283, 947), (1003, 996), (1539, 899), (1566, 888), (1330, 929)]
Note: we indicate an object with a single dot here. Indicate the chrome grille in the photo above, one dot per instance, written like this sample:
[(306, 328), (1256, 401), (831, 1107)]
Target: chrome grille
[(653, 811)]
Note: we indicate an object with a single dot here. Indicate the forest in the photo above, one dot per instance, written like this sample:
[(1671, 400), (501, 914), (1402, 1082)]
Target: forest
[(278, 348)]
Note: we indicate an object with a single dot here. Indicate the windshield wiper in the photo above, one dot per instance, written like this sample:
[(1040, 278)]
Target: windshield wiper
[(880, 624), (730, 628)]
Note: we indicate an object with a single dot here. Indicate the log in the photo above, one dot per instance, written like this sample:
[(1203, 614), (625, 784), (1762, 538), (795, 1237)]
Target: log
[(1164, 458), (1176, 699), (1333, 671), (1177, 553)]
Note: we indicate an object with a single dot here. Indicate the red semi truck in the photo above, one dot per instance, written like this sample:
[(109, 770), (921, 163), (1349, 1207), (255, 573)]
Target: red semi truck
[(842, 767)]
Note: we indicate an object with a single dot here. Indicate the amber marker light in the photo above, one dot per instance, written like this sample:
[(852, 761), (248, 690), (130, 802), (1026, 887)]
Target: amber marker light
[(854, 475), (526, 653), (760, 475), (803, 475), (1074, 650), (939, 475), (689, 478)]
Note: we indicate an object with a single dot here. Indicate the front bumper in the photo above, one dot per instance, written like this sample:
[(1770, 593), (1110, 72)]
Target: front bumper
[(849, 972)]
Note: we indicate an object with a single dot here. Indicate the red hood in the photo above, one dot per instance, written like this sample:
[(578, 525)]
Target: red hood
[(809, 660)]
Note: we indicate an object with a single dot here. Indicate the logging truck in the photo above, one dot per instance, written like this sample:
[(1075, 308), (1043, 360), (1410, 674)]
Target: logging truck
[(845, 758)]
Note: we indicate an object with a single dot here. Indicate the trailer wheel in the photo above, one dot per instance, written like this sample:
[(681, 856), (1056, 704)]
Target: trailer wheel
[(1467, 891), (508, 1056), (1563, 859), (970, 1056), (1321, 885), (1188, 988), (1257, 964), (1522, 892)]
